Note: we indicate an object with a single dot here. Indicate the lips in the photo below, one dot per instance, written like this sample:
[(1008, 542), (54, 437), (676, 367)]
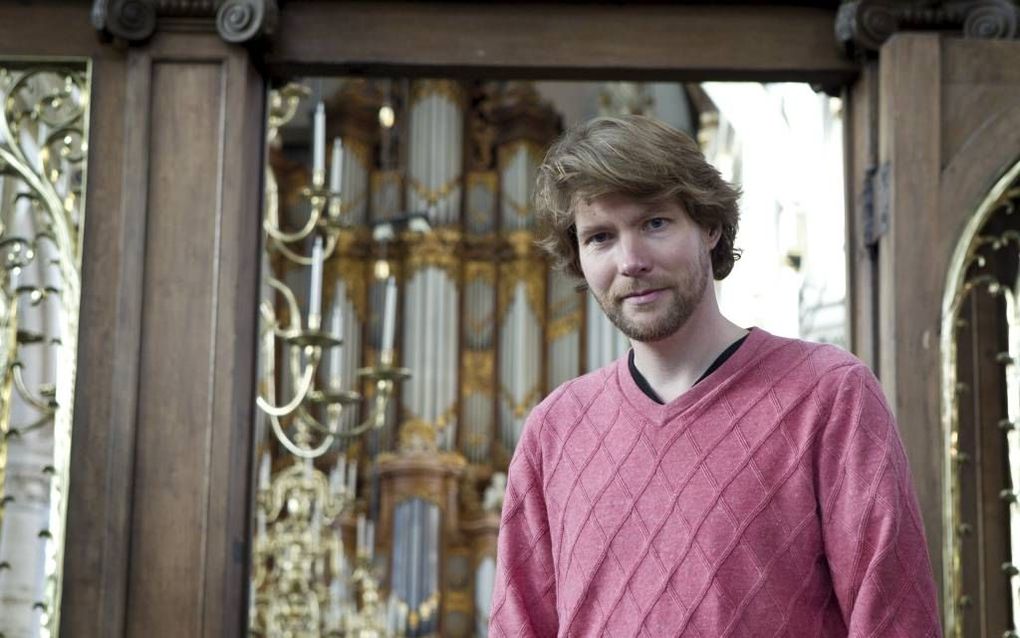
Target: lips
[(643, 296)]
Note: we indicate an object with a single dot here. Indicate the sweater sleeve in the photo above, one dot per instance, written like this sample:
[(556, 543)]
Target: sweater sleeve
[(524, 597), (872, 527)]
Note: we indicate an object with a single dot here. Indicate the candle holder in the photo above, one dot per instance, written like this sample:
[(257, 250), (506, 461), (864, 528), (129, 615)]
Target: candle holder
[(315, 414), (301, 584)]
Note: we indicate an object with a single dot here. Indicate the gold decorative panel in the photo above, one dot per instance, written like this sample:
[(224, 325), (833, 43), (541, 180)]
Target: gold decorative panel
[(43, 149), (981, 419)]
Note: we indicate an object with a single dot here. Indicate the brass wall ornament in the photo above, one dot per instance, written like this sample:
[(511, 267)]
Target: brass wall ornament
[(985, 268), (43, 147)]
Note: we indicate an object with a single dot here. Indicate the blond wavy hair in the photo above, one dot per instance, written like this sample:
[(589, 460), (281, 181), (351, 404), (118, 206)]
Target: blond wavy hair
[(639, 157)]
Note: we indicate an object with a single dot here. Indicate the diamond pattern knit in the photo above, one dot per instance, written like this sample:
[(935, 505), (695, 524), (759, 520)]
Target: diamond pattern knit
[(771, 499)]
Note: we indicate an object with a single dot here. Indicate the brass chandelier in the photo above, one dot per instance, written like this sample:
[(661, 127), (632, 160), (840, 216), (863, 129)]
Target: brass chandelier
[(302, 584)]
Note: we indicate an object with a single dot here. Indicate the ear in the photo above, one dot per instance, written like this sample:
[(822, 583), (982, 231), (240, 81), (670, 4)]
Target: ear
[(714, 234)]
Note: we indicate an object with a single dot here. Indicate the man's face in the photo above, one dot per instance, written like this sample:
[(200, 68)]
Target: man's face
[(648, 264)]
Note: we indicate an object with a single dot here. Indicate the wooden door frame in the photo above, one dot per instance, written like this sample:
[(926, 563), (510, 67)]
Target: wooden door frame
[(499, 40)]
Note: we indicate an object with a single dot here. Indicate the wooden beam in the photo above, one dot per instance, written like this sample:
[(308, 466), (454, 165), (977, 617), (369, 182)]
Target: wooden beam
[(564, 41)]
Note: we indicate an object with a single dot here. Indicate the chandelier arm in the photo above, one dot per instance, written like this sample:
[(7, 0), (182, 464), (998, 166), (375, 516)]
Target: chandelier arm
[(273, 230), (303, 387), (311, 422), (327, 251), (292, 306), (377, 417), (294, 448)]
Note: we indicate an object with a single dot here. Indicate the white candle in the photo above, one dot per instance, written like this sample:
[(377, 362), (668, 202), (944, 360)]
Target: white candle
[(260, 522), (337, 477), (352, 478), (265, 470), (370, 539), (336, 169), (360, 547), (389, 315), (315, 294), (337, 329), (319, 141)]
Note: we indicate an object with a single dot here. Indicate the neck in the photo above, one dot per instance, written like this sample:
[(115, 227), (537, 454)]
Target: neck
[(673, 365)]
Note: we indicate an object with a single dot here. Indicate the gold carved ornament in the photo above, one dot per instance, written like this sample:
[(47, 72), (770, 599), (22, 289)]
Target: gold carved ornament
[(433, 196), (563, 326), (532, 275), (448, 89), (477, 372), (967, 273), (521, 408), (507, 153), (488, 180), (436, 249), (419, 435), (48, 103)]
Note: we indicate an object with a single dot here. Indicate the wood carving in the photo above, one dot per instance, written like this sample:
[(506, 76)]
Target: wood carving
[(862, 26), (134, 21)]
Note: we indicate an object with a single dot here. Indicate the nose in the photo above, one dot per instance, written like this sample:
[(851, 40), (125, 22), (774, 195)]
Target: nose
[(634, 260)]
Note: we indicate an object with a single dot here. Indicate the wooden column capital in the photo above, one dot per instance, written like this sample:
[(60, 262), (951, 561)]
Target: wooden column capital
[(863, 26), (133, 22)]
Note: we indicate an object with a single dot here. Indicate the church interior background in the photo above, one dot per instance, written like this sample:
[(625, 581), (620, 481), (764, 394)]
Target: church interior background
[(407, 324), (399, 499)]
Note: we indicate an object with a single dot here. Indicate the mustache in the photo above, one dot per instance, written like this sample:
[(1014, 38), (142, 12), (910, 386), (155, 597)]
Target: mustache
[(645, 286)]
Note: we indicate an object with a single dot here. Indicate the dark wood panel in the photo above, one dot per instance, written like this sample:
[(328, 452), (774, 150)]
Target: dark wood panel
[(49, 28), (187, 572), (910, 299), (174, 428), (860, 146), (980, 61), (975, 104), (95, 561), (609, 41), (234, 371)]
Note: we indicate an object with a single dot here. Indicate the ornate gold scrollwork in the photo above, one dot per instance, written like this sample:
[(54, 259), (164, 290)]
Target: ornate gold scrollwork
[(435, 195), (477, 372), (437, 249), (419, 435), (526, 266), (480, 271), (562, 326), (449, 89), (521, 408), (971, 270), (489, 181), (43, 147)]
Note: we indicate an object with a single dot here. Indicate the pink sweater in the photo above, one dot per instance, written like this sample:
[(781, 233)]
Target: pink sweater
[(771, 499)]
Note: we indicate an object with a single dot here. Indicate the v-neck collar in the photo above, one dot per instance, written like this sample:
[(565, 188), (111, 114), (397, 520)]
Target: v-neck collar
[(662, 413)]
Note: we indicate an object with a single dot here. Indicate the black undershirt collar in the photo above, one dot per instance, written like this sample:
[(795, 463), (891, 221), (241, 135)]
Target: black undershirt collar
[(642, 383)]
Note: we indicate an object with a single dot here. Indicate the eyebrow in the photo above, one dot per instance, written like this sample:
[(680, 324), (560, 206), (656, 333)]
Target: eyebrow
[(591, 230)]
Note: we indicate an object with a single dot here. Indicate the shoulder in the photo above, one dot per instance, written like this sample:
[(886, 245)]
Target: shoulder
[(567, 403), (801, 363)]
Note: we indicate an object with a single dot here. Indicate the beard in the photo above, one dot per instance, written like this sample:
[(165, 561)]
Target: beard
[(682, 299)]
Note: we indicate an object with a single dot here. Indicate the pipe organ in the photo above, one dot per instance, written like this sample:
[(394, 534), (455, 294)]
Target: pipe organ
[(484, 327)]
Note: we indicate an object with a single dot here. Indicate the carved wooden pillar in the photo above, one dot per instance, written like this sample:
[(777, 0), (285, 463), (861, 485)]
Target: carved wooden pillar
[(157, 527)]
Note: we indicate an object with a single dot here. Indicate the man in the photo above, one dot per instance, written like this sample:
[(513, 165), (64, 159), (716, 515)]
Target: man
[(715, 481)]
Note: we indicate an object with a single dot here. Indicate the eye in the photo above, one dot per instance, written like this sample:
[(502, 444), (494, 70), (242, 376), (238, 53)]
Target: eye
[(656, 223), (596, 238)]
